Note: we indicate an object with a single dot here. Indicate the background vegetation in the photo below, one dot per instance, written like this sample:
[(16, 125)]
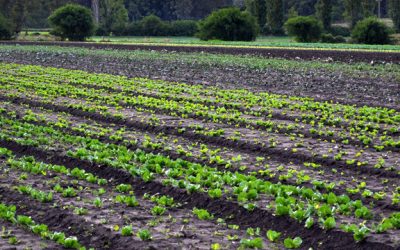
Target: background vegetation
[(179, 17)]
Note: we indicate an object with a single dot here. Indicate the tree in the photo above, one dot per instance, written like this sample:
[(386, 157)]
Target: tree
[(371, 31), (368, 7), (275, 16), (304, 28), (5, 31), (324, 13), (229, 24), (258, 8), (72, 21), (18, 15), (394, 11), (183, 9), (96, 10), (354, 11), (113, 16)]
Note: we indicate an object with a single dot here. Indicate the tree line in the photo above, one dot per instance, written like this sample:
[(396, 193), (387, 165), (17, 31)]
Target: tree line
[(272, 14), (116, 15)]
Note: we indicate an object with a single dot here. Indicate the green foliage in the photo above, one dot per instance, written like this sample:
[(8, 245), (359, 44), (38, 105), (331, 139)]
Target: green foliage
[(324, 13), (371, 31), (18, 14), (183, 28), (304, 29), (153, 26), (123, 188), (273, 235), (354, 11), (5, 31), (292, 243), (359, 232), (252, 243), (368, 7), (340, 31), (328, 223), (202, 214), (229, 24), (144, 234), (329, 38), (158, 210), (127, 231), (258, 8), (275, 17), (73, 22), (113, 17), (395, 13)]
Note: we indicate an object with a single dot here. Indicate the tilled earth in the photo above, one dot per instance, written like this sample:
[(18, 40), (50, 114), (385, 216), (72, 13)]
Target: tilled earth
[(317, 83)]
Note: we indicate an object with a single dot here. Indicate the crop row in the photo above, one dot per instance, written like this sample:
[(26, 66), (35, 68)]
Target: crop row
[(298, 144), (223, 158), (302, 204), (321, 119), (76, 190)]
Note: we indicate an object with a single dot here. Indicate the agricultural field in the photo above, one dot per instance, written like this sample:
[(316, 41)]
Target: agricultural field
[(147, 149)]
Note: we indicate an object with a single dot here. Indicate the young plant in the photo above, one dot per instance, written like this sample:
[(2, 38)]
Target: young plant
[(292, 243)]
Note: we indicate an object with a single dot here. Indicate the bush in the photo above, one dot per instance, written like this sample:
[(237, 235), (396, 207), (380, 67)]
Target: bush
[(371, 31), (5, 30), (304, 28), (183, 28), (153, 26), (329, 38), (72, 21), (229, 24)]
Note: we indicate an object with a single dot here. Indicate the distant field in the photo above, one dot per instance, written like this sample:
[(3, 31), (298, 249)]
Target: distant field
[(264, 41)]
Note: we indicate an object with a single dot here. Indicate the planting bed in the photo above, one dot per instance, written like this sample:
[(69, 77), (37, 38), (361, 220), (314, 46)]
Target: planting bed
[(106, 161), (355, 83), (345, 55)]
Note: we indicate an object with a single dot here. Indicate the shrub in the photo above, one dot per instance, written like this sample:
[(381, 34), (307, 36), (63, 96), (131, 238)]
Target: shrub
[(329, 38), (371, 31), (5, 31), (229, 24), (152, 25), (183, 28), (304, 28), (72, 21)]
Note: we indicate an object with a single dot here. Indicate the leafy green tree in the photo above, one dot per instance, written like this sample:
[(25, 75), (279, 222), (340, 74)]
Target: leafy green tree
[(324, 13), (72, 21), (5, 31), (275, 16), (395, 13), (368, 7), (229, 24), (354, 11), (113, 16), (258, 8), (18, 15)]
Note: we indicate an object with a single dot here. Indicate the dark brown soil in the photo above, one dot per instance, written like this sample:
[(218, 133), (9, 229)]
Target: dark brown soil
[(304, 54), (313, 237), (316, 83)]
